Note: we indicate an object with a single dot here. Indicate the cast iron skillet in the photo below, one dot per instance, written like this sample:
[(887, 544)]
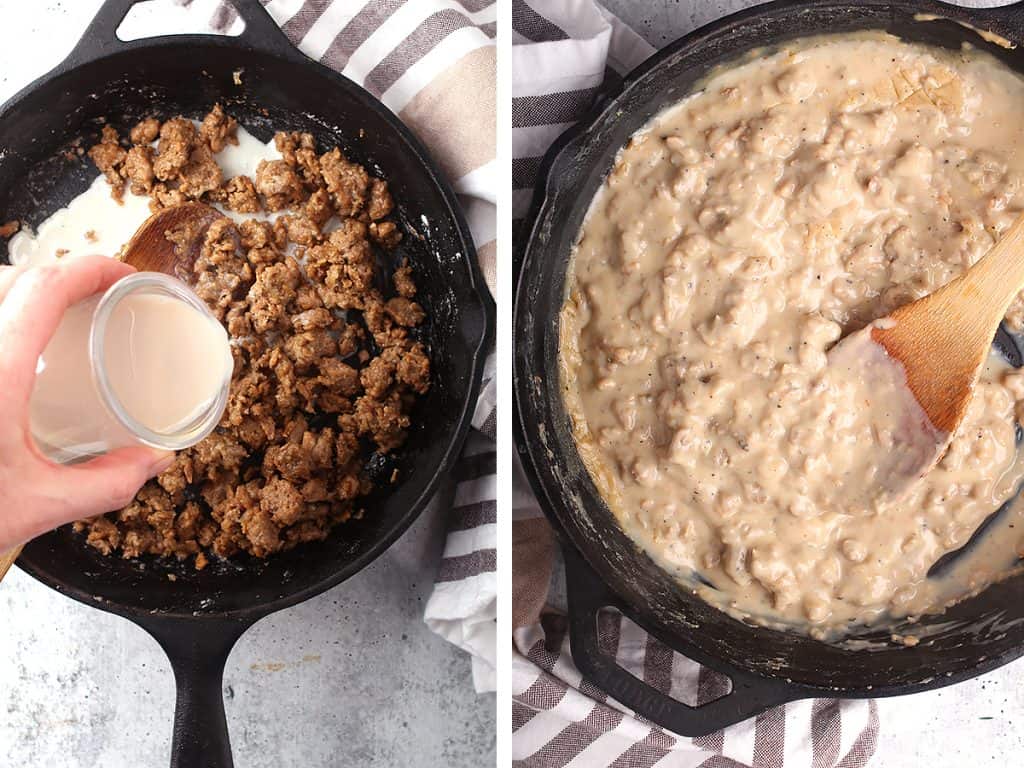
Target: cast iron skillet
[(604, 568), (198, 617)]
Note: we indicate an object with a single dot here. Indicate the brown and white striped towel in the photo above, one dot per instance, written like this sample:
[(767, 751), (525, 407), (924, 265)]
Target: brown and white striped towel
[(564, 53), (432, 62), (561, 719)]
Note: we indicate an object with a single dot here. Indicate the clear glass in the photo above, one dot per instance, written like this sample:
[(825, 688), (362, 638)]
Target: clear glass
[(75, 412)]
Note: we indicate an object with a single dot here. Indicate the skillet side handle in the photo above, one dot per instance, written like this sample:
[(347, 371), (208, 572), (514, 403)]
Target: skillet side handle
[(198, 655), (749, 696), (261, 31), (100, 37)]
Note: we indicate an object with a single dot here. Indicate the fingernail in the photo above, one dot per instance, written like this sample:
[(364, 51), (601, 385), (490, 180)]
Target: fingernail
[(162, 461)]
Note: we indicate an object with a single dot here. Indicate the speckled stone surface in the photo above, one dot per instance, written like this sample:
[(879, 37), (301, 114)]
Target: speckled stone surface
[(350, 678), (977, 722)]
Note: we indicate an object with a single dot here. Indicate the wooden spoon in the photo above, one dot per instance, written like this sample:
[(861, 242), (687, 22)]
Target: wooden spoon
[(7, 560), (150, 250), (941, 342)]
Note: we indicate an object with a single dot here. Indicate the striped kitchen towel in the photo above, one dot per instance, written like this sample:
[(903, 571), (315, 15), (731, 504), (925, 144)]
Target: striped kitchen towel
[(432, 62), (565, 52)]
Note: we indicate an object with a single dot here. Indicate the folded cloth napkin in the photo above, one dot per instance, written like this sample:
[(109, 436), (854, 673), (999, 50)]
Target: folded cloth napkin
[(432, 62), (564, 53)]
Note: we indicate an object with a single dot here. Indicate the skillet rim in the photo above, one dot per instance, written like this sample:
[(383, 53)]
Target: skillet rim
[(1007, 20), (470, 271)]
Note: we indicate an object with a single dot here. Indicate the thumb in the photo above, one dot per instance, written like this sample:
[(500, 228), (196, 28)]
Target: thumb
[(110, 482)]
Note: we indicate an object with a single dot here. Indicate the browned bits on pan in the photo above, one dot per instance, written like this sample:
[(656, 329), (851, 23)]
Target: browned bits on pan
[(9, 229), (312, 394)]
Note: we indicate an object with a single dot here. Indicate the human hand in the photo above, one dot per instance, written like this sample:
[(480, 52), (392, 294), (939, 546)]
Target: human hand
[(36, 494)]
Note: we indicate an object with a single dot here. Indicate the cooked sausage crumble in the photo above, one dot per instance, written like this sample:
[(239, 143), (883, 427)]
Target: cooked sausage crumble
[(327, 364)]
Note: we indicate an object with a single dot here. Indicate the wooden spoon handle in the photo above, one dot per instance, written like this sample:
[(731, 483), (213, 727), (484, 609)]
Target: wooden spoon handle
[(7, 560)]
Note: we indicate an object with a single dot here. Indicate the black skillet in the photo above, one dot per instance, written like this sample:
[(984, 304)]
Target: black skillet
[(604, 568), (198, 617)]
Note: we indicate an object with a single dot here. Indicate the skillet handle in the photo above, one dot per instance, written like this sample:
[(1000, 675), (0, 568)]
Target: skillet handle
[(587, 595), (198, 653), (100, 37)]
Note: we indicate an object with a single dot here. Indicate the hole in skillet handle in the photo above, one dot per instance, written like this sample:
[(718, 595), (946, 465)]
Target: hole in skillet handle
[(588, 597), (100, 38)]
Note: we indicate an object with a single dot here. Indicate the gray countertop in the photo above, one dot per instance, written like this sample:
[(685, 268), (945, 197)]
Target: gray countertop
[(973, 723), (352, 677)]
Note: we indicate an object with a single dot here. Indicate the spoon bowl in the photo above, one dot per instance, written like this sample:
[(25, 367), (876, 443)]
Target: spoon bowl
[(151, 250), (936, 347)]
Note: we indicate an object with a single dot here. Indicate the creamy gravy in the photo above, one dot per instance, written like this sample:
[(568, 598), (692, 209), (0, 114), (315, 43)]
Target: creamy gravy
[(792, 201)]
